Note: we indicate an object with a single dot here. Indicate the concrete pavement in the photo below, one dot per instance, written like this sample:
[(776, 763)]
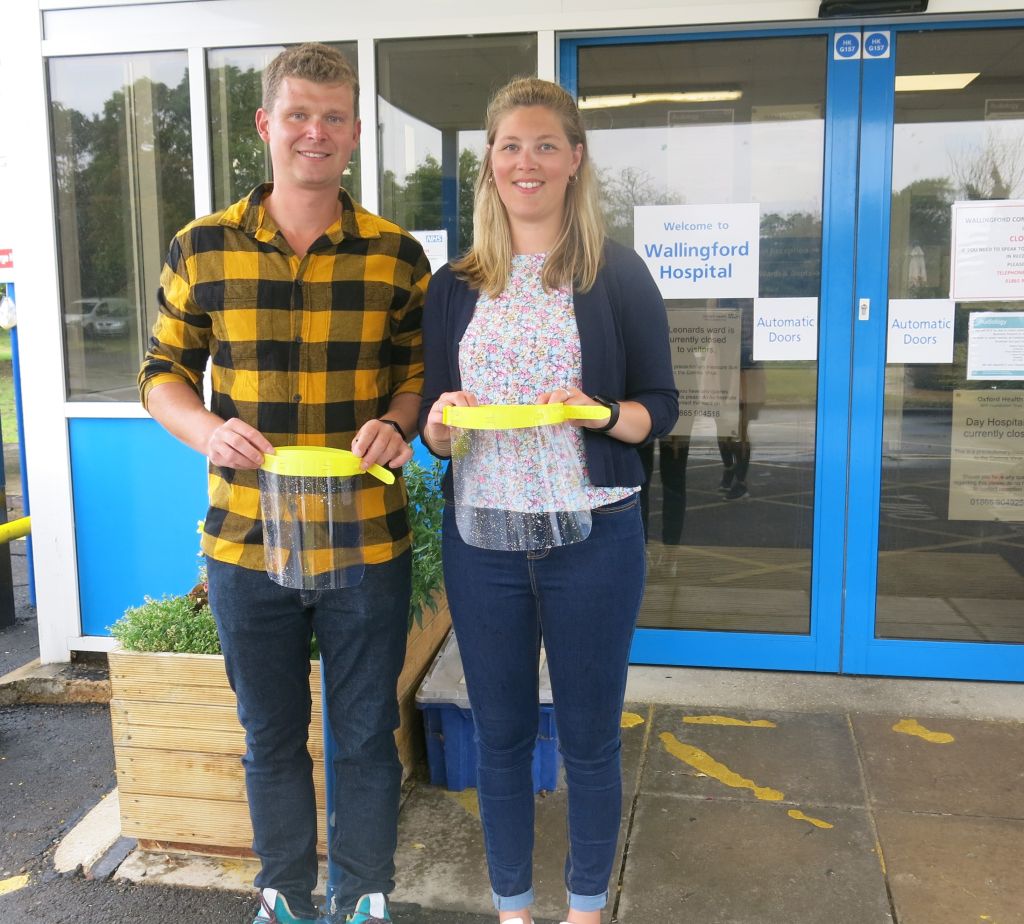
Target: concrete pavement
[(750, 798)]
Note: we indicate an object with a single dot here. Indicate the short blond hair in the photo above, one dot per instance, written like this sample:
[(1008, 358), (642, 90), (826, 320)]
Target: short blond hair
[(314, 62), (576, 256)]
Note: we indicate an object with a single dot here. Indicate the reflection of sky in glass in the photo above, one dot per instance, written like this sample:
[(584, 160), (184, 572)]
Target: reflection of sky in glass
[(87, 83), (406, 142), (778, 164), (932, 150)]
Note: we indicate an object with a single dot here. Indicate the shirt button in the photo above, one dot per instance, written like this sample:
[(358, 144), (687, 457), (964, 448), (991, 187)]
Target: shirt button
[(296, 398), (298, 340)]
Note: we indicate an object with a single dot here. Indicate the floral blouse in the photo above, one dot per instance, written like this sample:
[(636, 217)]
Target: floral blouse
[(518, 345)]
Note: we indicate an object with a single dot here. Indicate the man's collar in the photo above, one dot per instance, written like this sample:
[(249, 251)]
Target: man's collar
[(250, 215)]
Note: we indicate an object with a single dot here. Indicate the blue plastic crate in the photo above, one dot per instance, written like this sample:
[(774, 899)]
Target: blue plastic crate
[(451, 734)]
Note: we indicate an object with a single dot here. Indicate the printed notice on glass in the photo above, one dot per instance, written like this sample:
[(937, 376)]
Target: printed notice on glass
[(920, 331), (435, 246), (988, 251), (785, 329), (700, 251), (706, 363), (995, 346), (986, 472)]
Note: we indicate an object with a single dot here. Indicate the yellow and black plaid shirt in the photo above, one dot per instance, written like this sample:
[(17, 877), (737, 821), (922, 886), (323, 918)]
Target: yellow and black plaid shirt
[(306, 351)]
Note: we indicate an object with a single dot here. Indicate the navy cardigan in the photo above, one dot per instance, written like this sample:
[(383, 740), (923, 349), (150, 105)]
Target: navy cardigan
[(624, 350)]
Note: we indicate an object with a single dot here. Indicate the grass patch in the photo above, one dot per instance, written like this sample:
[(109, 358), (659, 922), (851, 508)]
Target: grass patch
[(8, 417)]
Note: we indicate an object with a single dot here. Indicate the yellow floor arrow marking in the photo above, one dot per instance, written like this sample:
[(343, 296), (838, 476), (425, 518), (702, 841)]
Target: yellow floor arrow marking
[(800, 816), (913, 727), (468, 800), (13, 884), (631, 720), (726, 720), (707, 765)]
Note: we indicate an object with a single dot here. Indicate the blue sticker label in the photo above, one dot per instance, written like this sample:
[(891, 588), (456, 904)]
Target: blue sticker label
[(847, 45), (876, 45)]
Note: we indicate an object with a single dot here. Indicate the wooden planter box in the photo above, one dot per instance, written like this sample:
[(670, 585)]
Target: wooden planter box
[(178, 743)]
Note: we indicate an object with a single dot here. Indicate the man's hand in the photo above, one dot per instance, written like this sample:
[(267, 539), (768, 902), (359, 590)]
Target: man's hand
[(379, 443), (235, 444)]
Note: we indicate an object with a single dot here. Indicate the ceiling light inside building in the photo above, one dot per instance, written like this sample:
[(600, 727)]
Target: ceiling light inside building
[(616, 100), (915, 83)]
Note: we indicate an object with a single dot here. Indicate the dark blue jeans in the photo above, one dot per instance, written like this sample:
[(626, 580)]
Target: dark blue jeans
[(583, 599), (265, 632)]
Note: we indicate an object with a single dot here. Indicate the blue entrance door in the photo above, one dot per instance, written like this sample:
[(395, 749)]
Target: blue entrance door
[(770, 509)]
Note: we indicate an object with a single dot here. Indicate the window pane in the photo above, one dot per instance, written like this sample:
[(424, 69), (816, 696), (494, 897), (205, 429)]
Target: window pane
[(432, 121), (730, 501), (240, 158), (951, 528), (123, 148)]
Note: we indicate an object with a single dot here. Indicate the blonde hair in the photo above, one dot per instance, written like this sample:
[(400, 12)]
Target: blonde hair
[(576, 255), (314, 62)]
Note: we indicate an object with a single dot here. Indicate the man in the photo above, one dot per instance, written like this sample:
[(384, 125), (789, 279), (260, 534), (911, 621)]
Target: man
[(310, 309)]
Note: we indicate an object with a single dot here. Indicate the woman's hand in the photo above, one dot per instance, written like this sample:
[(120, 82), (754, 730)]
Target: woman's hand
[(572, 396), (436, 433)]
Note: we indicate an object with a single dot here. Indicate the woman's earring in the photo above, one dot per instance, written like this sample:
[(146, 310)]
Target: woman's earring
[(574, 179)]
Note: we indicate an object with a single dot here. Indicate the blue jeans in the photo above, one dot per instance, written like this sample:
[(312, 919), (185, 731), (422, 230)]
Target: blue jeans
[(265, 632), (583, 599)]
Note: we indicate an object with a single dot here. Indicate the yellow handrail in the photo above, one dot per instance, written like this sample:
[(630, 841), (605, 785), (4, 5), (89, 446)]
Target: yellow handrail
[(15, 529)]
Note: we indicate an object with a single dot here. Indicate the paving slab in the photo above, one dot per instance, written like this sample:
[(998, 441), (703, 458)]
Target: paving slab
[(945, 869), (792, 757), (440, 858), (980, 771), (733, 862)]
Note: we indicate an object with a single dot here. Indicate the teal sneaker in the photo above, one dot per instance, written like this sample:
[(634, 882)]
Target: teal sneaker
[(370, 909), (274, 909)]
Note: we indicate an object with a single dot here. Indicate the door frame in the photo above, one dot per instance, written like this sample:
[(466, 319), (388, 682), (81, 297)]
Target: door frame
[(851, 361), (862, 652), (819, 649)]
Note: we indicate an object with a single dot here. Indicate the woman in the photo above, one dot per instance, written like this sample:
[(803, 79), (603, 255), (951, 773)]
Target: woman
[(544, 309)]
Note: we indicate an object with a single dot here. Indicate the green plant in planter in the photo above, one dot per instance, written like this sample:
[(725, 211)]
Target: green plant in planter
[(184, 623), (169, 624), (426, 505)]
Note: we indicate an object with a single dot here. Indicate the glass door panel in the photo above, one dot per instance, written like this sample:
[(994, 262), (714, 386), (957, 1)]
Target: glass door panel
[(730, 503), (951, 519)]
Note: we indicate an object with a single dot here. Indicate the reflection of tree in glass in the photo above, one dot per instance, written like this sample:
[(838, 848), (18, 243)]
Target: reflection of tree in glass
[(239, 156), (993, 171), (919, 239), (418, 203), (621, 192), (790, 251), (98, 177)]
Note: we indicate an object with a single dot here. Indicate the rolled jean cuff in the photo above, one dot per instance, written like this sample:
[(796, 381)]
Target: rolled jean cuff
[(512, 902), (587, 902)]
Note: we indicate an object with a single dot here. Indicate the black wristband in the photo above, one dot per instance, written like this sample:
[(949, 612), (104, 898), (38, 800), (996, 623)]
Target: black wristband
[(396, 425), (613, 409)]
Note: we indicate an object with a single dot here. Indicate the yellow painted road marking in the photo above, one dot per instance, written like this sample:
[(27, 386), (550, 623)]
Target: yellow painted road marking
[(468, 800), (726, 720), (631, 720), (800, 816), (881, 856), (13, 884), (707, 765), (913, 727)]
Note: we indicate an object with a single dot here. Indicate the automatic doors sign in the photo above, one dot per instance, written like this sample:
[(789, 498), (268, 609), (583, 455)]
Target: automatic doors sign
[(700, 251), (785, 329), (988, 251), (920, 331), (847, 46), (986, 472), (706, 363), (995, 346)]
